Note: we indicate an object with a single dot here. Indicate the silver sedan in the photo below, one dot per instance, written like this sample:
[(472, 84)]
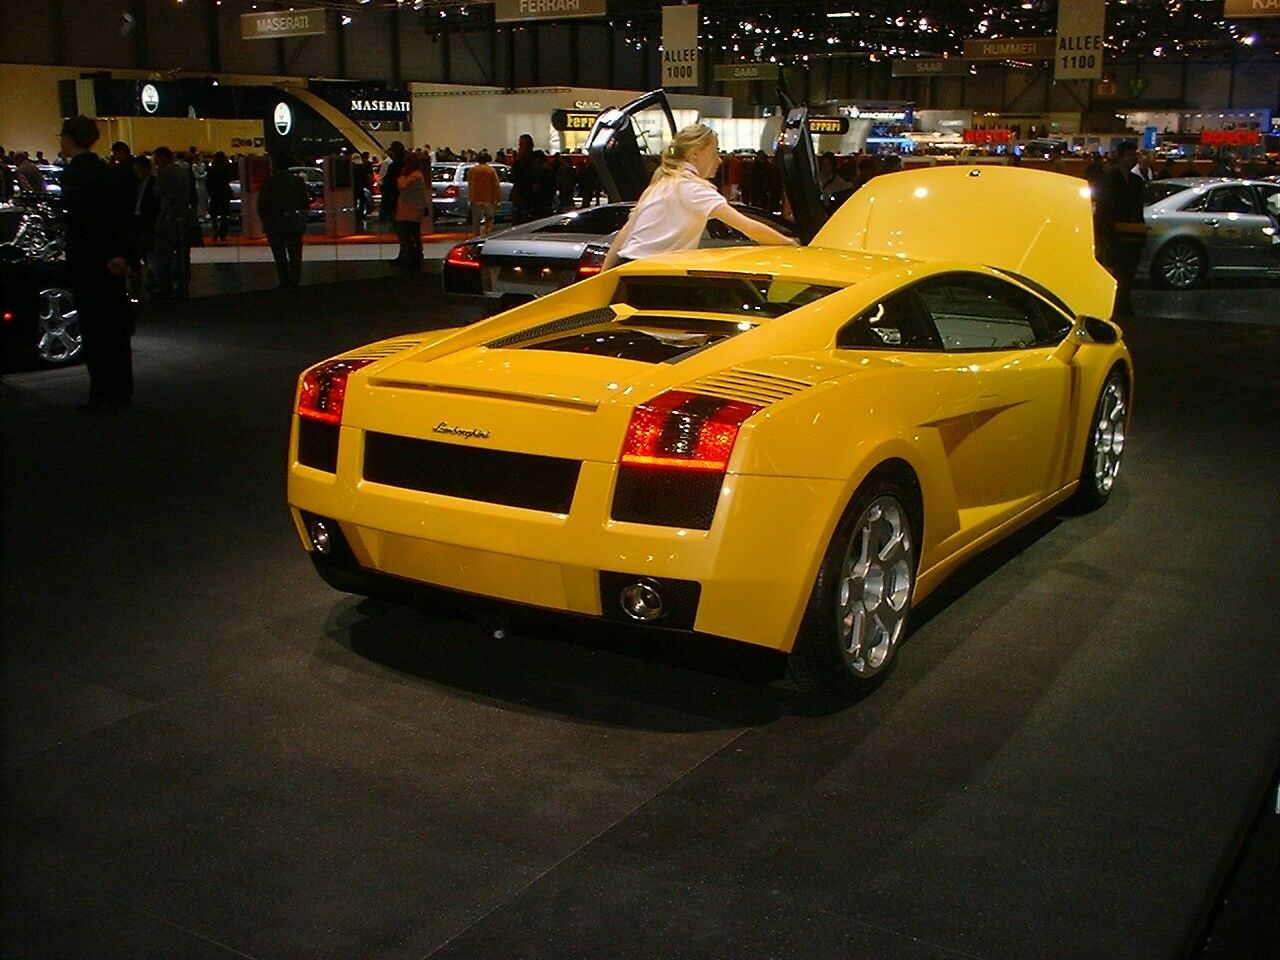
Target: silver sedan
[(1200, 228)]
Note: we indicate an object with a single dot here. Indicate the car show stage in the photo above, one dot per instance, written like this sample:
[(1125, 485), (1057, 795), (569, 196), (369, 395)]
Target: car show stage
[(209, 753)]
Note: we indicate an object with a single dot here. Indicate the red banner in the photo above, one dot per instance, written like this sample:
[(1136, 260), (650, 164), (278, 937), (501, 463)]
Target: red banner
[(988, 136), (1230, 138)]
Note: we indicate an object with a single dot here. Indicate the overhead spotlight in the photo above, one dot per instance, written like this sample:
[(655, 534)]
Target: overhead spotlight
[(126, 25), (346, 19)]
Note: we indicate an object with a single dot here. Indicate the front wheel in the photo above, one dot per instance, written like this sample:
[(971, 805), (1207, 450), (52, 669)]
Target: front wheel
[(858, 611), (1107, 436), (1179, 265)]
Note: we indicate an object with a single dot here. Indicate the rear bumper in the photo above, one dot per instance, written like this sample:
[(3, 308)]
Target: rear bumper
[(753, 569)]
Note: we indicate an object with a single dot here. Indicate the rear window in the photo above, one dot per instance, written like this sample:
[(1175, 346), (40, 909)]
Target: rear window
[(599, 221), (1157, 190), (751, 296), (442, 174)]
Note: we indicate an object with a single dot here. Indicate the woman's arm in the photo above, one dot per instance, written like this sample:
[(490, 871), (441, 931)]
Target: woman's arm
[(753, 228), (611, 258)]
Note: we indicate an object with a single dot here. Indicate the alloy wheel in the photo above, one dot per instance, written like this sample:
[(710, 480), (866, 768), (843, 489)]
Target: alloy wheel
[(874, 590), (1109, 436), (1180, 265), (58, 326)]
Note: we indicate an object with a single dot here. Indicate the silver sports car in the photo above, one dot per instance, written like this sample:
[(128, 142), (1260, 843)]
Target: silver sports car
[(1202, 228), (544, 255)]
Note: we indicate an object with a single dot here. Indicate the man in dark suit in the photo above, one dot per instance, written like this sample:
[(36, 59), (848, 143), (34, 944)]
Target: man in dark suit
[(1119, 230), (98, 245)]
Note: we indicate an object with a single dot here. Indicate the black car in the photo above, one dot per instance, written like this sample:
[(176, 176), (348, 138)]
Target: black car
[(38, 316)]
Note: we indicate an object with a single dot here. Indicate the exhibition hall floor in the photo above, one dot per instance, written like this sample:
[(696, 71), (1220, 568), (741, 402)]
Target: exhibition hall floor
[(208, 753)]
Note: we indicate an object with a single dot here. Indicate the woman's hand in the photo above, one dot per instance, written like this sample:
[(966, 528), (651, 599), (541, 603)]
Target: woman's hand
[(753, 228)]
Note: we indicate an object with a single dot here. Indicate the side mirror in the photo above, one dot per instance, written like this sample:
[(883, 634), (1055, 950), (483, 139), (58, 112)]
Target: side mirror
[(1085, 330), (1066, 350)]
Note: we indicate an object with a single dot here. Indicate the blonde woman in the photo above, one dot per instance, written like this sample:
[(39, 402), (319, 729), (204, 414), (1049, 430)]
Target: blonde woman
[(672, 213)]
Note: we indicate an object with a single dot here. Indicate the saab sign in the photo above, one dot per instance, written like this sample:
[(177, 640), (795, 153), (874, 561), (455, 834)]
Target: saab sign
[(272, 25)]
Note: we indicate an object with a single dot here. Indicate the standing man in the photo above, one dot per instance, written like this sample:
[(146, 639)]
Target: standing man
[(388, 178), (485, 193), (97, 244), (282, 206), (523, 178), (176, 218), (1119, 229)]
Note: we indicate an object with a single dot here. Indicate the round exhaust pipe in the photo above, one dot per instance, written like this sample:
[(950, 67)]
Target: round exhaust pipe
[(643, 600), (321, 538)]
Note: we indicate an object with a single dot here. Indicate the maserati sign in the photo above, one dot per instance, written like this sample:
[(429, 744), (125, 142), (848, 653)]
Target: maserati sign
[(282, 118), (269, 25)]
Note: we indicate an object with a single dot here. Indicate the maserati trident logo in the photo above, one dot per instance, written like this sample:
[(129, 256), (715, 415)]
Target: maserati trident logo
[(283, 118), (466, 433), (150, 98)]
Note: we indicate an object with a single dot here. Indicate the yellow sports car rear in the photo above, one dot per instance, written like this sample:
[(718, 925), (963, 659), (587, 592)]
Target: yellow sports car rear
[(782, 446)]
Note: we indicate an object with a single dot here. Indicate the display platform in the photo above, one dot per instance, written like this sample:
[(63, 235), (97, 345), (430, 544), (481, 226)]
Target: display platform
[(209, 753)]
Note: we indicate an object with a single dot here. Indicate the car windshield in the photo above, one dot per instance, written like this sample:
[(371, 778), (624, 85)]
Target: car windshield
[(743, 295), (1158, 190)]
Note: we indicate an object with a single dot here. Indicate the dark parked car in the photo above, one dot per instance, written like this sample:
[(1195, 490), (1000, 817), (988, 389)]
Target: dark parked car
[(38, 316)]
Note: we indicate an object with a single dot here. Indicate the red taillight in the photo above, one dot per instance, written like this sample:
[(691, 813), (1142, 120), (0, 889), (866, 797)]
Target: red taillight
[(324, 388), (8, 317), (591, 262), (684, 431), (450, 192), (464, 255)]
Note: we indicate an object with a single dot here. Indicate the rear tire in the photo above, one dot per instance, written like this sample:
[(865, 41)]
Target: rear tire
[(861, 601)]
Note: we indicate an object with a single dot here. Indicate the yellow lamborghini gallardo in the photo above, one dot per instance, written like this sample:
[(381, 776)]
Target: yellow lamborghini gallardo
[(785, 446)]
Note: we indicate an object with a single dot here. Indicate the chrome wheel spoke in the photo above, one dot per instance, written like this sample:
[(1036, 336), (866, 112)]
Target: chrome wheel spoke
[(875, 585)]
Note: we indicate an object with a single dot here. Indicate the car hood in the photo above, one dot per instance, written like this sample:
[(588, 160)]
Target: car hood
[(1032, 223)]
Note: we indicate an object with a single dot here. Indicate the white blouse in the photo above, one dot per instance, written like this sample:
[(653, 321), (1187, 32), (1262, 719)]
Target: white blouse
[(671, 215)]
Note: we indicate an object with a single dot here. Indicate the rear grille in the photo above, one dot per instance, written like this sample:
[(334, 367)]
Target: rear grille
[(493, 476), (738, 384), (318, 444), (666, 498), (587, 319)]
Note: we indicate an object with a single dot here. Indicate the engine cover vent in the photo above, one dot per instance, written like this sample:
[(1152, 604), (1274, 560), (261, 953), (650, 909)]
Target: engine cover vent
[(739, 384), (573, 322)]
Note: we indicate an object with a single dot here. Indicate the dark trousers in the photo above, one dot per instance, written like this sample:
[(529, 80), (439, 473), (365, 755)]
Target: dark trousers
[(106, 326), (1121, 258), (410, 233), (220, 214), (286, 249)]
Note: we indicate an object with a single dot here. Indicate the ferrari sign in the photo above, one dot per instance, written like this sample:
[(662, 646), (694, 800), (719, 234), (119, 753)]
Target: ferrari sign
[(680, 46), (505, 11), (573, 119), (273, 24), (1251, 8), (1081, 27), (836, 126)]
